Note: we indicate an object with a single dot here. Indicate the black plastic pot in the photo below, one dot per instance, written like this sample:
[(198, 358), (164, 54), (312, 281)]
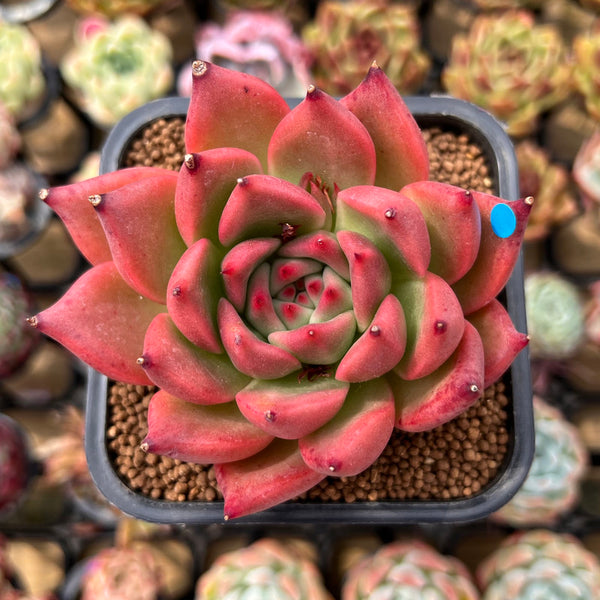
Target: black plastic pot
[(451, 115)]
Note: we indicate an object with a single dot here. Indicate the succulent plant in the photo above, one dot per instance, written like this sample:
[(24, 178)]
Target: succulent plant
[(586, 170), (63, 456), (265, 569), (18, 186), (586, 49), (548, 183), (113, 8), (540, 564), (345, 37), (117, 66), (121, 574), (22, 82), (510, 66), (555, 315), (551, 488), (14, 464), (10, 139), (16, 339), (291, 319), (409, 569), (260, 43)]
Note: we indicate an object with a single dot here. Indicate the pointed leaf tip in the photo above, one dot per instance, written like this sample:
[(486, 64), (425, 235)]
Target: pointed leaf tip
[(322, 137), (400, 149), (231, 109), (86, 322)]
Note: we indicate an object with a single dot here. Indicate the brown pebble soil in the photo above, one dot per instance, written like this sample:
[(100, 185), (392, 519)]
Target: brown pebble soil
[(455, 460)]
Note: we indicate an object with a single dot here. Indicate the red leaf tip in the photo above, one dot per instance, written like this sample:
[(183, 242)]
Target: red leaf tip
[(43, 194), (32, 321), (529, 200), (95, 200)]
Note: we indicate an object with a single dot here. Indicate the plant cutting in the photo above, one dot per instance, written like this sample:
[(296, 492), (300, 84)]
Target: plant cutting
[(292, 306)]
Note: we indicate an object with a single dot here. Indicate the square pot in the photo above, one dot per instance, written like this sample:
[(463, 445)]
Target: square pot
[(450, 115)]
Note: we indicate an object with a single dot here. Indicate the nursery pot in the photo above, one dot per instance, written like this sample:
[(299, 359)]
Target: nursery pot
[(449, 115)]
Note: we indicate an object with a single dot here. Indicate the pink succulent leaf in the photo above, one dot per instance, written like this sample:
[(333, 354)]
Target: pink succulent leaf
[(239, 263), (399, 146), (352, 441), (85, 322), (453, 223), (425, 403), (174, 364), (231, 109), (392, 221), (336, 297), (260, 311), (501, 341), (139, 224), (322, 246), (251, 355), (370, 275), (262, 206), (272, 476), (193, 293), (287, 270), (380, 348), (292, 407), (318, 343), (435, 324), (200, 434), (322, 137), (292, 314), (497, 256), (71, 203), (206, 181)]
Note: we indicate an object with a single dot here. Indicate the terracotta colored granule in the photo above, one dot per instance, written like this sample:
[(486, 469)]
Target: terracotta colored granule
[(159, 145)]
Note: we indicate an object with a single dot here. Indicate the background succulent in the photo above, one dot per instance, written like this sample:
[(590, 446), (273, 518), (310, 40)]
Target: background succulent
[(14, 464), (121, 573), (346, 37), (301, 314), (409, 569), (267, 568), (586, 171), (113, 8), (511, 66), (18, 186), (586, 49), (115, 67), (16, 339), (540, 563), (549, 184), (22, 82), (10, 139), (551, 488), (555, 315), (260, 43)]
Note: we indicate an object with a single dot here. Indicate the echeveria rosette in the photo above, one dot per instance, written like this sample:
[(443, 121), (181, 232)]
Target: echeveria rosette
[(551, 488), (290, 304), (511, 66), (409, 569), (267, 568), (540, 564)]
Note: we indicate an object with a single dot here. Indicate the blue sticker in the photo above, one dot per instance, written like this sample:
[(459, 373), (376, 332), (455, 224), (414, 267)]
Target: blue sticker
[(503, 220)]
